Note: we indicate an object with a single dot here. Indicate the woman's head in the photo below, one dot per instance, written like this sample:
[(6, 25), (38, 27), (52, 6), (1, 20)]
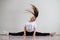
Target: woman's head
[(32, 18), (35, 13)]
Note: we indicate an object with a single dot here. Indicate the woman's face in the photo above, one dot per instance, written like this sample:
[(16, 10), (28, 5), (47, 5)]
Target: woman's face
[(32, 19)]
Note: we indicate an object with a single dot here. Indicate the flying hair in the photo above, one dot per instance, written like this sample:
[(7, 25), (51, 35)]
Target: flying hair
[(35, 11)]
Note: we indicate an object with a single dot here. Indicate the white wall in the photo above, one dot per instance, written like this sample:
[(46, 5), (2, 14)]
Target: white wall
[(13, 15)]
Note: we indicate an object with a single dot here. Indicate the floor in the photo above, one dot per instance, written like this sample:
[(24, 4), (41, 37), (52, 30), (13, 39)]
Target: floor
[(29, 38)]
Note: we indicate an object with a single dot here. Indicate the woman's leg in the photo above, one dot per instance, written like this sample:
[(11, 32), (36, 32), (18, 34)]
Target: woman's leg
[(21, 34), (42, 34), (17, 34)]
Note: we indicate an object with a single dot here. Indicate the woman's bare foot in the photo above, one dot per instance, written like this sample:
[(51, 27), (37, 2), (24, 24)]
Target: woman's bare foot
[(52, 34)]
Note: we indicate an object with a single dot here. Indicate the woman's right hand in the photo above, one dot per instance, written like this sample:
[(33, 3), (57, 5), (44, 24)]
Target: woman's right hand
[(24, 34), (25, 31)]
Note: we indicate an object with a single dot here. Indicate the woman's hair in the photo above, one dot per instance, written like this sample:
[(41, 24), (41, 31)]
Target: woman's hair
[(35, 11)]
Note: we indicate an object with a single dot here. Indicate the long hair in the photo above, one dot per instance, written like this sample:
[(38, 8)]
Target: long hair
[(35, 11)]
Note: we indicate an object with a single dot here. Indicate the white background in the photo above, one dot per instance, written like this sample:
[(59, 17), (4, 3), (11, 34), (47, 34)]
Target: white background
[(13, 15)]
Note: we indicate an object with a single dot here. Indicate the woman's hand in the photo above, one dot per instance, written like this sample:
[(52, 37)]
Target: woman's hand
[(25, 31), (34, 31), (24, 34), (33, 35)]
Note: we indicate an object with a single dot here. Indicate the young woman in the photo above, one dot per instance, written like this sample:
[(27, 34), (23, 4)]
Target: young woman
[(30, 28)]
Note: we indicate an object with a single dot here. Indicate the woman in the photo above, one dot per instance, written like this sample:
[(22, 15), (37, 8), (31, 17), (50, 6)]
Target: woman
[(30, 28)]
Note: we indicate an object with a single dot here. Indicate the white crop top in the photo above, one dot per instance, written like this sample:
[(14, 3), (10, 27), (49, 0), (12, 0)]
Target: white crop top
[(30, 26)]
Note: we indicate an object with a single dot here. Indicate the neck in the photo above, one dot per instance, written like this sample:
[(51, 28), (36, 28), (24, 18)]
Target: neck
[(31, 21)]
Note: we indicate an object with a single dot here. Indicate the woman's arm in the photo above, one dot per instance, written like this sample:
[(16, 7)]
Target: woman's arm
[(25, 31), (34, 31)]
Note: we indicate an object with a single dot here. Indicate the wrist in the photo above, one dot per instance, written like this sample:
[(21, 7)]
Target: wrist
[(24, 34), (33, 34)]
